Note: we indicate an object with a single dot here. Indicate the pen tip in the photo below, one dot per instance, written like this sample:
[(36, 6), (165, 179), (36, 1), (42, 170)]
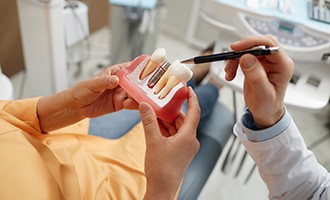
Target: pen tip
[(188, 61)]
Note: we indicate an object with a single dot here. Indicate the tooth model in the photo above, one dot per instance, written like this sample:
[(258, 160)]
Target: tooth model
[(169, 106), (175, 74), (163, 80), (157, 57)]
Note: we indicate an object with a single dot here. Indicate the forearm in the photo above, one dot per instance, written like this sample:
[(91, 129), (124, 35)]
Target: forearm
[(57, 111), (288, 168)]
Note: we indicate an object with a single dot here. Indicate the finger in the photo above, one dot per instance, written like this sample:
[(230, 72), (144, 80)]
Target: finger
[(179, 120), (130, 104), (231, 69), (123, 101), (103, 82), (112, 70), (193, 112), (149, 121), (267, 40), (163, 129), (252, 41), (255, 74), (116, 68), (280, 58), (170, 128)]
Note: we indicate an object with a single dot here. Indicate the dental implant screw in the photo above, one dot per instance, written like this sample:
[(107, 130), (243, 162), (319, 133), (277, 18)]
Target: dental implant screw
[(158, 74)]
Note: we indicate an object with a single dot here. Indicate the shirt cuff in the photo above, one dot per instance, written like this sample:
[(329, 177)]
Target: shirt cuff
[(256, 135)]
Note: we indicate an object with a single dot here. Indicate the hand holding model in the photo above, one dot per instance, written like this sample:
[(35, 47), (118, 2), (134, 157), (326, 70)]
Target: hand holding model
[(170, 148), (90, 98), (266, 79)]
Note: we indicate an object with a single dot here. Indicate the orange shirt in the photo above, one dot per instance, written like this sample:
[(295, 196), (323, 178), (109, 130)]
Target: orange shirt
[(66, 165)]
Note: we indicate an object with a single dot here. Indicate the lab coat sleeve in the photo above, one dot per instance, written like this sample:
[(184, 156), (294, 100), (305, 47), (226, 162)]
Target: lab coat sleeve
[(288, 168)]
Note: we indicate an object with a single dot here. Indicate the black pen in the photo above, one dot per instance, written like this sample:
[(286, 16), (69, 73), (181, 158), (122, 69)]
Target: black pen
[(257, 51)]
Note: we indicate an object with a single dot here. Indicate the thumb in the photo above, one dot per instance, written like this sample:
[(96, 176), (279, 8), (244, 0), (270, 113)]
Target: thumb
[(255, 74), (103, 82), (149, 121)]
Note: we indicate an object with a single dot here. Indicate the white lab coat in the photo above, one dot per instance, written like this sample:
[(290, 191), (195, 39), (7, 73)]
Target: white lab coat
[(288, 168)]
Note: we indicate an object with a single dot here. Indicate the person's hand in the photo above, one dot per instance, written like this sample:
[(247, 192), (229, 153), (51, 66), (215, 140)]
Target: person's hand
[(101, 94), (170, 149), (266, 79), (94, 97)]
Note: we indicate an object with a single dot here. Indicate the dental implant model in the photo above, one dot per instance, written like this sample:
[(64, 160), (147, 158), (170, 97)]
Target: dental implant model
[(160, 84), (176, 73), (157, 57)]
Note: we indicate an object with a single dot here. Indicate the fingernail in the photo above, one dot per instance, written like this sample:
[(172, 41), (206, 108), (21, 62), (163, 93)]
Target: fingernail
[(144, 108), (249, 62), (235, 43), (114, 79), (227, 76), (180, 120)]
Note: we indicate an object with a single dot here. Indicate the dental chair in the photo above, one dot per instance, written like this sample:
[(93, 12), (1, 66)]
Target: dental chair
[(211, 146)]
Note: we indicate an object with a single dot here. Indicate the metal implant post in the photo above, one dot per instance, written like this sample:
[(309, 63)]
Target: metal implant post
[(158, 74)]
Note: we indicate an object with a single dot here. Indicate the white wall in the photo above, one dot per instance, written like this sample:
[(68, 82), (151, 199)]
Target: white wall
[(177, 17)]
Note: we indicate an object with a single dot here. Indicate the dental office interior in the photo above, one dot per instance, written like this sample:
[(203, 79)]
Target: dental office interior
[(49, 45)]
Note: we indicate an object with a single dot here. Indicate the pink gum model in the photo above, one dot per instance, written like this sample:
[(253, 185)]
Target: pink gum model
[(166, 109)]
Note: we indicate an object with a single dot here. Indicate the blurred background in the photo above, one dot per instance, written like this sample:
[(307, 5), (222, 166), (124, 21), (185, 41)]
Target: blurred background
[(49, 45)]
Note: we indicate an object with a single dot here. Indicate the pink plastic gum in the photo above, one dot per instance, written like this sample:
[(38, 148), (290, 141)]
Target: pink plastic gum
[(166, 109)]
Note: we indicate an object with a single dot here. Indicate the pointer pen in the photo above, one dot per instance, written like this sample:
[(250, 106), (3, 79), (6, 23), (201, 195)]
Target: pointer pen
[(257, 51)]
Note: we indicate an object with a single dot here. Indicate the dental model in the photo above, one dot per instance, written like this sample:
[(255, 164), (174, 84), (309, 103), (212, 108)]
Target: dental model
[(168, 101), (157, 57), (163, 80), (176, 73)]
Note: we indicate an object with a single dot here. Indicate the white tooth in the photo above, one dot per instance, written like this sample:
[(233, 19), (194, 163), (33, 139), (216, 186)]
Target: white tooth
[(163, 80), (161, 83), (172, 81), (179, 72), (157, 57)]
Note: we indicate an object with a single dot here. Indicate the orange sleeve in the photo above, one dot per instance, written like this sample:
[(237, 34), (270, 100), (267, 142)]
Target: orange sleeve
[(21, 114)]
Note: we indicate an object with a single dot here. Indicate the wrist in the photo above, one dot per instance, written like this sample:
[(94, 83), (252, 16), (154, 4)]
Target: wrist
[(256, 134), (72, 106), (161, 189), (156, 192), (57, 111), (268, 121)]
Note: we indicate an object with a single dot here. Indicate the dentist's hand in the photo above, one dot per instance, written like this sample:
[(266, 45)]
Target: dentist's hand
[(102, 94), (170, 149), (266, 79)]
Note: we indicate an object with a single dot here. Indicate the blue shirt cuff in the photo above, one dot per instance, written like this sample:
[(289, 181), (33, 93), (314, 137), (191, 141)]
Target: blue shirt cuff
[(256, 135)]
